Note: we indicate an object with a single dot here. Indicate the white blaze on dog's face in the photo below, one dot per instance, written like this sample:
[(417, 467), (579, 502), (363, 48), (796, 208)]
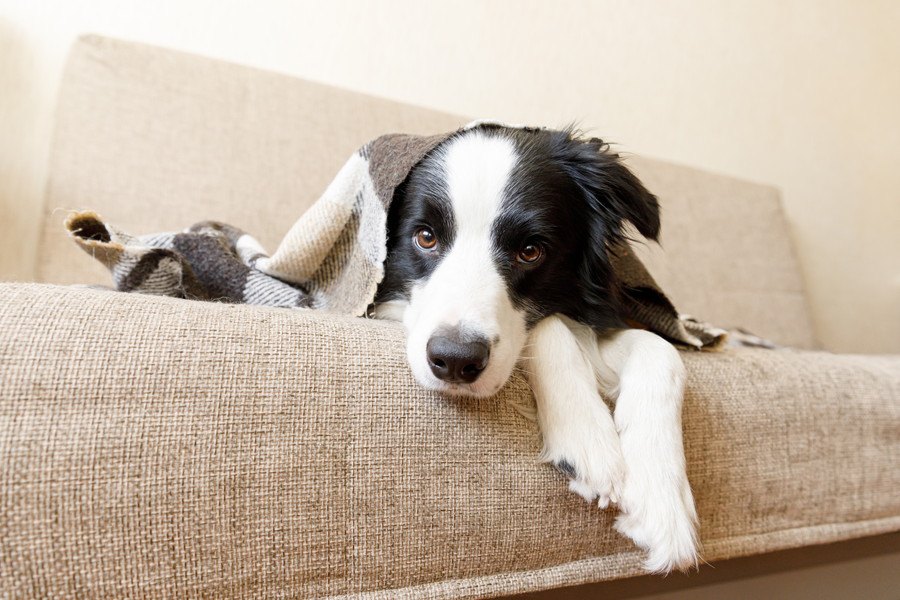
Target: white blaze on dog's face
[(491, 232), (464, 300)]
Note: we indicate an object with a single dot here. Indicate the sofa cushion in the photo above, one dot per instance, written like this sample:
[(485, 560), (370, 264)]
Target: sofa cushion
[(154, 447)]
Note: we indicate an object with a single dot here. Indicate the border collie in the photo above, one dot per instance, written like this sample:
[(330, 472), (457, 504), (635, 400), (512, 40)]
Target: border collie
[(498, 255)]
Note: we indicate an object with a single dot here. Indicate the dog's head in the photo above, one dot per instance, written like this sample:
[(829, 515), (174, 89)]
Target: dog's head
[(496, 229)]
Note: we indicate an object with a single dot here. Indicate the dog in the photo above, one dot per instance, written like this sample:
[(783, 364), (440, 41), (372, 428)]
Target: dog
[(499, 248)]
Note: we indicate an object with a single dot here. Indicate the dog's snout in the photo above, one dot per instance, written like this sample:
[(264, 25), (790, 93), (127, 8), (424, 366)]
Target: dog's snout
[(456, 359)]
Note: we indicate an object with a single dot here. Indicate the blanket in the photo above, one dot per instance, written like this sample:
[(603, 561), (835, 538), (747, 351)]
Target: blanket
[(333, 256)]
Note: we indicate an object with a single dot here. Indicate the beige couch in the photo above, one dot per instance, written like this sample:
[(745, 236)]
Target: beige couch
[(152, 447)]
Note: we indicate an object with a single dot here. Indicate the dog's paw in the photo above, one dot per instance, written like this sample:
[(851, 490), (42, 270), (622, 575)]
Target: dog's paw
[(594, 466), (660, 518)]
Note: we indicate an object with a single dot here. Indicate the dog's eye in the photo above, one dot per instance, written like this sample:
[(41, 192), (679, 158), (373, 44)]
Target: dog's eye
[(530, 254), (425, 239)]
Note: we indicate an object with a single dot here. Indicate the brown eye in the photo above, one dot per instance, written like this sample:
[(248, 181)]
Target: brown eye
[(530, 254), (425, 239)]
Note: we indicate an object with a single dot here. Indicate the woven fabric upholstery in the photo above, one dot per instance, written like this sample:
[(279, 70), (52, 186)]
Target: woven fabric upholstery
[(153, 447), (155, 140)]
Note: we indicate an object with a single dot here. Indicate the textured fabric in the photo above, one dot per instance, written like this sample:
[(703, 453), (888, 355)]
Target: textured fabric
[(333, 257), (154, 447), (155, 140), (208, 261)]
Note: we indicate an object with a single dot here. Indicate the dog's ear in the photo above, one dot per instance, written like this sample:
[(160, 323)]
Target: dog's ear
[(613, 195), (612, 190)]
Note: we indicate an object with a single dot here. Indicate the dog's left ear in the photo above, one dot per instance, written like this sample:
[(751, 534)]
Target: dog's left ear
[(611, 188)]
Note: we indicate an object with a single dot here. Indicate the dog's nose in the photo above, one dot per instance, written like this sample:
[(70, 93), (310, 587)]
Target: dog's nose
[(457, 360)]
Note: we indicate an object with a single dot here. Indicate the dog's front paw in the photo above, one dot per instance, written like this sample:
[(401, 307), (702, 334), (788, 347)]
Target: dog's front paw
[(594, 466), (658, 514)]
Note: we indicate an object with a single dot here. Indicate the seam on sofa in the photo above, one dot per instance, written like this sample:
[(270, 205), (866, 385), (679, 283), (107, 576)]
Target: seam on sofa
[(627, 564)]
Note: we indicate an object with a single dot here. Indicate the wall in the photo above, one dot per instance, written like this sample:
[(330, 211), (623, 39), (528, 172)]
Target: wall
[(804, 94)]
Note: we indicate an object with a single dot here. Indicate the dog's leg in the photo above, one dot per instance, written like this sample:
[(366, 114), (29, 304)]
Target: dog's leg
[(579, 434), (645, 376)]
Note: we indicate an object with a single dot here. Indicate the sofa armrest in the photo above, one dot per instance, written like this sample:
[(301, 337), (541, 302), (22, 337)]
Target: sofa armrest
[(162, 447)]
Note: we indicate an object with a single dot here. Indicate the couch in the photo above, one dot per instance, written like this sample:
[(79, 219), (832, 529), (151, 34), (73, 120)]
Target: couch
[(155, 447)]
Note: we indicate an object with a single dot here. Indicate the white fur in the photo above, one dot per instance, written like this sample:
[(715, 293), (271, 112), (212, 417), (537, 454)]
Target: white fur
[(645, 377), (575, 423), (392, 310), (635, 458), (465, 289)]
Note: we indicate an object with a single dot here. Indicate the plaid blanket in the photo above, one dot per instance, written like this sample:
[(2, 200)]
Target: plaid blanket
[(333, 257)]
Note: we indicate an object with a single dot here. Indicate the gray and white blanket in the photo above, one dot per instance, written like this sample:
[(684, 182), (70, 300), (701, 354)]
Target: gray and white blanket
[(333, 257)]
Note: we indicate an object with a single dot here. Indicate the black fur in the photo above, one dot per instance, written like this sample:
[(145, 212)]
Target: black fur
[(420, 201), (569, 195)]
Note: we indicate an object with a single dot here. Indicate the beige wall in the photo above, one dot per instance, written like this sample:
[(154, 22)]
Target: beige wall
[(804, 94)]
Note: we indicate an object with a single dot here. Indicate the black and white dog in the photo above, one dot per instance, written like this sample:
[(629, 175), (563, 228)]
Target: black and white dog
[(498, 253)]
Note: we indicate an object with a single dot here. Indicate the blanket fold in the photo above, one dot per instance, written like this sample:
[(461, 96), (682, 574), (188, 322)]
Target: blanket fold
[(333, 257)]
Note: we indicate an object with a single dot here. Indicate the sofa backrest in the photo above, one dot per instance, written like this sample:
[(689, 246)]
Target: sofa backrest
[(156, 140)]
